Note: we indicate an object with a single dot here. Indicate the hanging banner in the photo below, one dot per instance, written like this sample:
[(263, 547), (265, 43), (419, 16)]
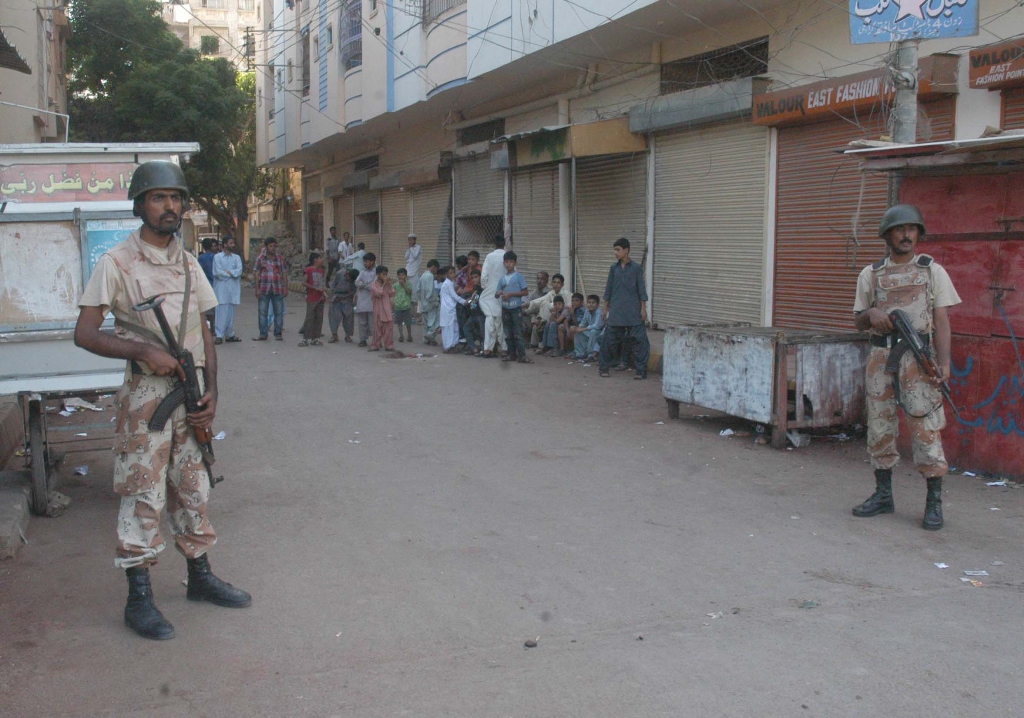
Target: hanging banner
[(895, 20), (65, 183)]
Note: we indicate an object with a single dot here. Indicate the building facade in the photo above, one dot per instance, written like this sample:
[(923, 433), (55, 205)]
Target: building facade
[(216, 28), (33, 85)]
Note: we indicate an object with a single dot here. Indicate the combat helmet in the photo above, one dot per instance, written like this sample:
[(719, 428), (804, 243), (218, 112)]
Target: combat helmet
[(898, 215), (157, 174)]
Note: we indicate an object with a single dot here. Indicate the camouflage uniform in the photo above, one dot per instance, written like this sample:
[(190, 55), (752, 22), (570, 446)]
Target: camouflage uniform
[(154, 469), (916, 287)]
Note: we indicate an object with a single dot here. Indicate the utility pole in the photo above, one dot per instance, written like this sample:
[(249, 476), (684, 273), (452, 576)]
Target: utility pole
[(905, 80)]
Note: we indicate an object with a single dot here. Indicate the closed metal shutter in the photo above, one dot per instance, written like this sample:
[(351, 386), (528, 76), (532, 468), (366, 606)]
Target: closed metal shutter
[(343, 214), (819, 190), (432, 222), (535, 221), (394, 229), (611, 202), (709, 214), (1013, 109), (479, 190), (364, 203)]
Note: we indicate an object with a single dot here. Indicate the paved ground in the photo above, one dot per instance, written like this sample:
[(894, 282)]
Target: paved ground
[(486, 505)]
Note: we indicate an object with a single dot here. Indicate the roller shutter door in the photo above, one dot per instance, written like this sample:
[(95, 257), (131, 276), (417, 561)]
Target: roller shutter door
[(432, 222), (479, 190), (343, 214), (1013, 109), (611, 202), (817, 260), (535, 221), (366, 202), (709, 213), (394, 229)]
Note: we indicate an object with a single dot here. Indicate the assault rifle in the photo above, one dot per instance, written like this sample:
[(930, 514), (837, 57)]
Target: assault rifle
[(907, 339), (188, 392)]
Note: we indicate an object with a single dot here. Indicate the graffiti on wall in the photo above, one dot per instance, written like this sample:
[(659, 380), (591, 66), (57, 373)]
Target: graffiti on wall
[(1001, 412)]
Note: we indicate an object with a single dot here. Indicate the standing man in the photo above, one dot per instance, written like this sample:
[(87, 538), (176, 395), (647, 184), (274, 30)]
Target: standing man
[(413, 259), (492, 272), (210, 250), (625, 313), (271, 270), (345, 249), (333, 253), (227, 270), (154, 468), (922, 289)]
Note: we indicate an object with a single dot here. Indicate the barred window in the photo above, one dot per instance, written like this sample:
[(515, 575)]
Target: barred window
[(746, 59), (350, 35), (433, 9)]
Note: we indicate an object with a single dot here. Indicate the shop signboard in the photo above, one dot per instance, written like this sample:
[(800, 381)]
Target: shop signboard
[(895, 20)]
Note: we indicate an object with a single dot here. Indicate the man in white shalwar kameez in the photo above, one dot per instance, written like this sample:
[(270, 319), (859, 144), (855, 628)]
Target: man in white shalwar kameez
[(491, 273), (227, 271)]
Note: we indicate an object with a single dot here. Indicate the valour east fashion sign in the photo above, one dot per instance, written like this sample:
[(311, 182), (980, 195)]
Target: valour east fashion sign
[(842, 95), (997, 66), (895, 20)]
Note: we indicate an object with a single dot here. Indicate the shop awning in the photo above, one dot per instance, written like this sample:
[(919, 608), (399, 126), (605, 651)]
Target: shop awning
[(1004, 148), (10, 58), (563, 142)]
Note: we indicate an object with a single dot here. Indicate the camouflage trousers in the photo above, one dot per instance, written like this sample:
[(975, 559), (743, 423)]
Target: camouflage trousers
[(157, 469), (921, 398)]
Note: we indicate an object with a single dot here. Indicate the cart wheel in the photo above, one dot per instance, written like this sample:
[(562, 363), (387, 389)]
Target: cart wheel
[(673, 408), (37, 446)]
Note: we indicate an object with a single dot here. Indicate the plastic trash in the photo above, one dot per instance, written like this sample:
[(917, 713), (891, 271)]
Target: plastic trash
[(221, 436), (81, 471), (798, 440), (726, 432), (941, 565)]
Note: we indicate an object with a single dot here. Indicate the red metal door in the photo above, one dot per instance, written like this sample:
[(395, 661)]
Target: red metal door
[(1013, 109)]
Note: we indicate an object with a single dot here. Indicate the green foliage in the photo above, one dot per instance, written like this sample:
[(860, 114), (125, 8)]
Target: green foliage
[(127, 91), (209, 45)]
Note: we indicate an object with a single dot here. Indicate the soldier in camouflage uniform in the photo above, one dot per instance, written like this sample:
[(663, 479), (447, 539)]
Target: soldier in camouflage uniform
[(921, 288), (154, 469)]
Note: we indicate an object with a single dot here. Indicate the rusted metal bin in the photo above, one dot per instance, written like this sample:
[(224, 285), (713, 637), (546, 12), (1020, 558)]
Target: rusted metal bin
[(785, 378)]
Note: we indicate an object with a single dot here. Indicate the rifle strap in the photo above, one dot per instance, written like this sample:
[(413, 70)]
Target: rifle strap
[(140, 331), (183, 324)]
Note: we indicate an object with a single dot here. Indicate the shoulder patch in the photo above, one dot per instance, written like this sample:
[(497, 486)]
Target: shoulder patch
[(879, 264), (924, 260)]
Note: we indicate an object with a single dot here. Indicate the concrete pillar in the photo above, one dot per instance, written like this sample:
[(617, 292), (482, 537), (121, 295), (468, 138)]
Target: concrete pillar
[(564, 202)]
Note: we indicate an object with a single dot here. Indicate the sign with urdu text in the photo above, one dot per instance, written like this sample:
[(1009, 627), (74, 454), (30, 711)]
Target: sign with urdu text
[(895, 20)]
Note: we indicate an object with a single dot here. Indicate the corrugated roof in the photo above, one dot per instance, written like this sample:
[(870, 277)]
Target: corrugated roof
[(10, 58)]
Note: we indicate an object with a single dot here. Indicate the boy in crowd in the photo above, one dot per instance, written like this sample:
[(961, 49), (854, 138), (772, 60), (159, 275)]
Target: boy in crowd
[(449, 301), (462, 290), (588, 330), (429, 302), (364, 299), (540, 308), (511, 290), (210, 249), (343, 287), (557, 330), (381, 291), (403, 305), (316, 297), (475, 322)]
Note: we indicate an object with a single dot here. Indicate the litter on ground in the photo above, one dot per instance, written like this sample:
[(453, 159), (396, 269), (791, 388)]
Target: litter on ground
[(81, 471)]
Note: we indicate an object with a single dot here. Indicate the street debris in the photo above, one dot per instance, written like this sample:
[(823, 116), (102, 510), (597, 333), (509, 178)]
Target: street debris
[(639, 638), (969, 473), (75, 403), (354, 441), (81, 471), (338, 634), (659, 423), (65, 413), (716, 614), (726, 432), (996, 563), (56, 503), (975, 573), (795, 518), (809, 604), (993, 483), (23, 536), (994, 508), (221, 436), (81, 433), (798, 440), (972, 581), (532, 642), (942, 565)]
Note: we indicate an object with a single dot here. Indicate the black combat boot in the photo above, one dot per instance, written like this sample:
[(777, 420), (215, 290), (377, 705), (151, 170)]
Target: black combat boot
[(140, 613), (881, 501), (204, 586), (932, 520)]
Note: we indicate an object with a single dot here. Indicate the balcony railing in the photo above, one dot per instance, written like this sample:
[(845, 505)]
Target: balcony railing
[(350, 35), (433, 9)]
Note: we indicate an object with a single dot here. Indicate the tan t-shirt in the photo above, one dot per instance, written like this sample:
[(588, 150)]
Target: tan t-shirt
[(941, 290), (133, 271)]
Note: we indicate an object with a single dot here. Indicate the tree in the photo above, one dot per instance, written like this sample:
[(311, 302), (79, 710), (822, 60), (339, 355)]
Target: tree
[(156, 90)]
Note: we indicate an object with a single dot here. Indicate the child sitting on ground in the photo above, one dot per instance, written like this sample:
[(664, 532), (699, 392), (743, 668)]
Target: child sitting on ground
[(383, 314), (403, 306), (475, 320), (587, 333), (556, 331)]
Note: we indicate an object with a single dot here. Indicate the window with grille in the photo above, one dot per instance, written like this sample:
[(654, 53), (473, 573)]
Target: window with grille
[(433, 9), (247, 5), (367, 163), (305, 63), (484, 132), (214, 4), (350, 38), (746, 59)]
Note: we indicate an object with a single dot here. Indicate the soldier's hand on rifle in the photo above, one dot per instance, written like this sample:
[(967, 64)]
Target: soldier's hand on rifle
[(880, 321), (161, 363), (204, 419)]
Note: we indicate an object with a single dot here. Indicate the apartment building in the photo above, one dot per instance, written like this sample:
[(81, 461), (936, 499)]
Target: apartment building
[(33, 86), (705, 132), (216, 28)]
